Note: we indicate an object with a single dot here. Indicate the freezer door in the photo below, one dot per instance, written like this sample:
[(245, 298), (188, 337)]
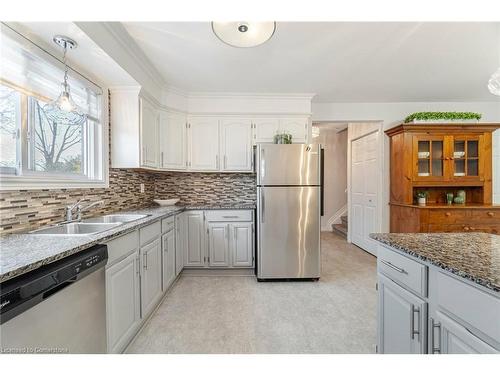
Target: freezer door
[(288, 232), (295, 164)]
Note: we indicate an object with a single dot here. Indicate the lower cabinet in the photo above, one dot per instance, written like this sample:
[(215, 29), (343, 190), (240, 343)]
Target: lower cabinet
[(179, 243), (241, 247), (122, 302), (151, 287), (449, 337), (402, 319), (168, 259), (218, 244), (194, 245)]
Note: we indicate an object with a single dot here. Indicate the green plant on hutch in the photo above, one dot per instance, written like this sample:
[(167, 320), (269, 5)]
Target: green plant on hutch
[(452, 116)]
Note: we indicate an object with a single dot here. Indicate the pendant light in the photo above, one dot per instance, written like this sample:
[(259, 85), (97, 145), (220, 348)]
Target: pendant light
[(244, 34), (64, 110), (494, 83)]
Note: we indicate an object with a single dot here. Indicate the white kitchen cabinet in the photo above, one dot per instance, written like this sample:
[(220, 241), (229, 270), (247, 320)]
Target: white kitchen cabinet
[(265, 129), (449, 337), (168, 259), (151, 286), (203, 140), (173, 142), (122, 302), (218, 244), (402, 318), (179, 242), (194, 246), (149, 118), (297, 127), (236, 150), (241, 244)]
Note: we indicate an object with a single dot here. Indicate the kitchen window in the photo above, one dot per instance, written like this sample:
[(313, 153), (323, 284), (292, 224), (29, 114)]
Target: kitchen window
[(36, 153)]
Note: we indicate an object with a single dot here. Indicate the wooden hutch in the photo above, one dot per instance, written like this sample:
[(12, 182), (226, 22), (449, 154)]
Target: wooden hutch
[(439, 159)]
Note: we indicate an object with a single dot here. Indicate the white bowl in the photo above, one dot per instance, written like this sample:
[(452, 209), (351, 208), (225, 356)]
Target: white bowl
[(458, 154), (423, 154), (166, 202)]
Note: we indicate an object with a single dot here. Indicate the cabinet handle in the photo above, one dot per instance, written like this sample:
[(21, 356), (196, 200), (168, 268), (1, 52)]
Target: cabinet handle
[(491, 214), (435, 350), (230, 217), (466, 228), (145, 261), (389, 264), (217, 161), (414, 332), (138, 265), (447, 214), (162, 159), (226, 231)]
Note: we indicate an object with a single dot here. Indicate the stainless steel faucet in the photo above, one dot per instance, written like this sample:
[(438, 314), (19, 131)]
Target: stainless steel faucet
[(79, 209)]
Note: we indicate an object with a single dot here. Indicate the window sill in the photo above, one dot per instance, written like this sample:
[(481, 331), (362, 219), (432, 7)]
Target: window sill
[(9, 182)]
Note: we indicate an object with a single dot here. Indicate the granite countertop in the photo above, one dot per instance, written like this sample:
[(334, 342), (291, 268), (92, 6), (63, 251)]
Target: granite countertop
[(21, 253), (474, 256)]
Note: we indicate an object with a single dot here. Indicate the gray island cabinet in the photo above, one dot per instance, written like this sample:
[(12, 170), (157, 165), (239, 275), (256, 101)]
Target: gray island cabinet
[(438, 305)]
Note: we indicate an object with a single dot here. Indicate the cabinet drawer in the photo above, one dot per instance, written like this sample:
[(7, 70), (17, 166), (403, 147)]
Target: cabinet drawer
[(149, 233), (167, 224), (402, 270), (486, 216), (452, 216), (229, 215), (478, 309), (121, 246)]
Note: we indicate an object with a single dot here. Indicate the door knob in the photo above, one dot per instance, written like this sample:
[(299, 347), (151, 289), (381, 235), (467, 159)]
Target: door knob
[(448, 214)]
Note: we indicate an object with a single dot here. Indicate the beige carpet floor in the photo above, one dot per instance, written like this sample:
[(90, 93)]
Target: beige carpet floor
[(231, 314)]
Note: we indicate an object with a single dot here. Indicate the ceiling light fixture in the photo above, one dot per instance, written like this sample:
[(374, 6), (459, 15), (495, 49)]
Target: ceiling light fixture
[(64, 110), (494, 83), (244, 34)]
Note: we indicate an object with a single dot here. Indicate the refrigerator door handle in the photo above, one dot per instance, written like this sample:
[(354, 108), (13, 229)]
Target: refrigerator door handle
[(262, 207), (262, 164)]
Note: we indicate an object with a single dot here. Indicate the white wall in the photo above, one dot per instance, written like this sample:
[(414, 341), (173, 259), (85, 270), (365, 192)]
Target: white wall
[(391, 114)]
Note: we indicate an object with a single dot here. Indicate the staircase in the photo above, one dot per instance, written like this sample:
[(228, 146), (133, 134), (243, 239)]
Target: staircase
[(341, 229)]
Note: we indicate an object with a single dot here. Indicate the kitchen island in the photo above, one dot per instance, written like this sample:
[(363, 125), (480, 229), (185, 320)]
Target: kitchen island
[(438, 293)]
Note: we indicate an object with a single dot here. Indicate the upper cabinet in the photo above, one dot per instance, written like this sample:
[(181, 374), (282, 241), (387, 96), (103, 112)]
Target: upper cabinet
[(149, 119), (266, 128), (144, 135), (236, 150), (203, 144), (173, 141)]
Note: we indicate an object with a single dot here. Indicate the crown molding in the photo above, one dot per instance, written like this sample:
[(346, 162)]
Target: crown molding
[(249, 95)]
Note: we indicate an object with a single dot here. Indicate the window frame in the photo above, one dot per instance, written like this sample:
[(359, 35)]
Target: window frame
[(96, 160)]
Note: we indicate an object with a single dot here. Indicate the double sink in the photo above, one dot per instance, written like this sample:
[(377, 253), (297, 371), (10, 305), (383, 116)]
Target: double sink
[(90, 226)]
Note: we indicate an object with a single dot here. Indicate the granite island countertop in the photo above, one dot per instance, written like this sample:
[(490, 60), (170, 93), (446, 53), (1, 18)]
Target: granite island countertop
[(474, 256), (22, 253)]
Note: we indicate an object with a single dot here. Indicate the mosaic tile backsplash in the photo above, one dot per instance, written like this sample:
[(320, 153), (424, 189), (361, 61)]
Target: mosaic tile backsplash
[(25, 210)]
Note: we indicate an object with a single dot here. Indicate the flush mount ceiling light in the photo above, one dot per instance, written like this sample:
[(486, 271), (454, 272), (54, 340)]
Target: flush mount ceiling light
[(244, 34), (494, 83), (63, 110)]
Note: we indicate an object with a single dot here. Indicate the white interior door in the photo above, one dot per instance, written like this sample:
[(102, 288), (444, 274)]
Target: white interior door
[(365, 174)]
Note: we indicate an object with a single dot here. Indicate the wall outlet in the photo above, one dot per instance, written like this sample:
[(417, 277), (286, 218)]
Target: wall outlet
[(142, 188)]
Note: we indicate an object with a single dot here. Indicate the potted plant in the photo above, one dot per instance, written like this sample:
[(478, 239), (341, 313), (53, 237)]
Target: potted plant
[(421, 198), (443, 117), (283, 138)]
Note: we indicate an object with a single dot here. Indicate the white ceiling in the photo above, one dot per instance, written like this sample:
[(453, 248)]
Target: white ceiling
[(88, 59), (340, 62)]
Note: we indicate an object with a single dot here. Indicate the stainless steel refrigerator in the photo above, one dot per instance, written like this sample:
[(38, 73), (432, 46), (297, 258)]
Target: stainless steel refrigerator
[(288, 211)]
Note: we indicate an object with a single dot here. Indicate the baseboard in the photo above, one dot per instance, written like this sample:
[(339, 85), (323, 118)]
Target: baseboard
[(218, 272), (335, 219)]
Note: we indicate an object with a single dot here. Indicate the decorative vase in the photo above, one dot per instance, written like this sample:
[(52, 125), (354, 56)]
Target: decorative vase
[(449, 198), (421, 201), (462, 195), (458, 200)]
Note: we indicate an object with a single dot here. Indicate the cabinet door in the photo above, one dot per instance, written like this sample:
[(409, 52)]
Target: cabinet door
[(179, 243), (431, 158), (151, 290), (453, 338), (218, 244), (466, 158), (296, 127), (241, 245), (168, 259), (401, 319), (172, 141), (236, 145), (149, 134), (265, 129), (194, 255), (122, 302), (203, 136)]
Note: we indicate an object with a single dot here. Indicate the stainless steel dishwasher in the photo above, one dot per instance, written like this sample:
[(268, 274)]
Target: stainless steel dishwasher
[(58, 308)]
